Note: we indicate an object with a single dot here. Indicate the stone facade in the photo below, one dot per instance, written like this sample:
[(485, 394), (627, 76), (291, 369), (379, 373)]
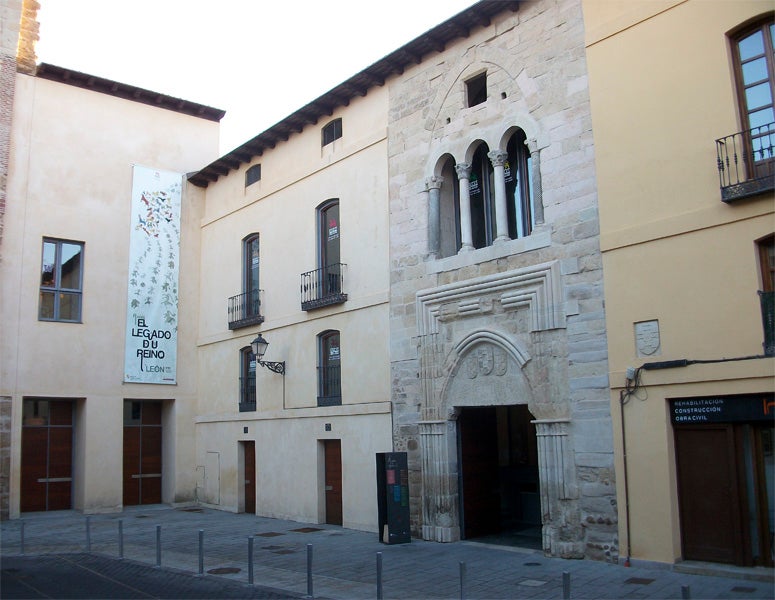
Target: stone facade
[(516, 321)]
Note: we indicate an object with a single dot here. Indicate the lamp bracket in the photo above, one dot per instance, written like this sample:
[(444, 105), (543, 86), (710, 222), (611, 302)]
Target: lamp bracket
[(275, 367)]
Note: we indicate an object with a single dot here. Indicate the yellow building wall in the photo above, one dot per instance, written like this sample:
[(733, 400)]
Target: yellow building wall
[(662, 91)]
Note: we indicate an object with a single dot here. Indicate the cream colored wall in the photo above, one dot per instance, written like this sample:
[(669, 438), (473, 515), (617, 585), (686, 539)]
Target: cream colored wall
[(288, 466), (71, 178), (296, 177), (662, 91)]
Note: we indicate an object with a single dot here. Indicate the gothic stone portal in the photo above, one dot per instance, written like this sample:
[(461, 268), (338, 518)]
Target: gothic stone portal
[(483, 405)]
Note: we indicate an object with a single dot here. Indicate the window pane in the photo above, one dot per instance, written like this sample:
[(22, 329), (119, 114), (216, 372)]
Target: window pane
[(46, 308), (71, 266), (330, 232), (760, 118), (35, 413), (753, 45), (758, 95), (69, 307), (756, 70), (47, 269)]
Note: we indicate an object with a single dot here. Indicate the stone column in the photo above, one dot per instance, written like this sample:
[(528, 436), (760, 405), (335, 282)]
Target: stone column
[(538, 195), (562, 532), (433, 187), (439, 496), (498, 159), (466, 236)]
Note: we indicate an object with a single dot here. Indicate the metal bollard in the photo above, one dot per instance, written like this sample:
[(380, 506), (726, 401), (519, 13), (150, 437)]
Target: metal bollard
[(566, 585), (686, 592), (379, 575), (201, 551), (121, 538), (21, 541), (250, 560), (309, 571), (462, 579), (158, 546)]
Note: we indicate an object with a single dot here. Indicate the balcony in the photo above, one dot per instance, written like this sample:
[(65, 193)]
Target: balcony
[(330, 386), (746, 163), (323, 287), (768, 321), (247, 394), (244, 310)]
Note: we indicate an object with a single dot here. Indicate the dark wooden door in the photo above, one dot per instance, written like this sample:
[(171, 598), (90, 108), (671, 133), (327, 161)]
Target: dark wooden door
[(47, 456), (333, 465), (250, 477), (709, 494), (142, 453), (479, 469)]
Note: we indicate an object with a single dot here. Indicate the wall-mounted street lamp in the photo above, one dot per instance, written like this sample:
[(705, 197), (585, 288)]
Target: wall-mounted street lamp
[(259, 346)]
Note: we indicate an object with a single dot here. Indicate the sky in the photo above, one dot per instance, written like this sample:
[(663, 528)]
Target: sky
[(259, 60)]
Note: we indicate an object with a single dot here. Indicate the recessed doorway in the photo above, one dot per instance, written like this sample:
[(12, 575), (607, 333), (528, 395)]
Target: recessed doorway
[(498, 469)]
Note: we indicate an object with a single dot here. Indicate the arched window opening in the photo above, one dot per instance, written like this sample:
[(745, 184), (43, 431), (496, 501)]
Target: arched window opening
[(247, 380), (518, 172), (449, 211), (329, 369), (482, 192)]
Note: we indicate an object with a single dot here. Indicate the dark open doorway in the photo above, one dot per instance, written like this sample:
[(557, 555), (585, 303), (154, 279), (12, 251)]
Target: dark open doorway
[(498, 467)]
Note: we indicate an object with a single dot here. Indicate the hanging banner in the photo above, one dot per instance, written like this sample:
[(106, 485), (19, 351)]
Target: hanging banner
[(152, 300)]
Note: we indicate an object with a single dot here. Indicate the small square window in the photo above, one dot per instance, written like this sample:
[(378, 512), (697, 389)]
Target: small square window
[(332, 131), (252, 175), (476, 89)]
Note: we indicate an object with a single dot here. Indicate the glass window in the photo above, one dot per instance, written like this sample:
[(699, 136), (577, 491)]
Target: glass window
[(482, 192), (247, 380), (329, 369), (250, 276), (252, 175), (755, 73), (332, 131), (329, 256), (61, 281), (518, 172)]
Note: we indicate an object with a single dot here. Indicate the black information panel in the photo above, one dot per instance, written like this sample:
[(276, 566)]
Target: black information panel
[(723, 409), (393, 497)]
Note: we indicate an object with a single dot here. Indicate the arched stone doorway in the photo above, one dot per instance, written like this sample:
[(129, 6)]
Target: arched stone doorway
[(499, 486), (488, 344)]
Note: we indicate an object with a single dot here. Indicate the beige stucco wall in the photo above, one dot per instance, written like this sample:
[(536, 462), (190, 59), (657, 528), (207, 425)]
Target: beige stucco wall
[(71, 178), (662, 91), (296, 177)]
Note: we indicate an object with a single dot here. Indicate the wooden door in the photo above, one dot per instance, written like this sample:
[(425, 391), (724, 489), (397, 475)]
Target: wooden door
[(709, 494), (479, 468), (249, 449), (47, 455), (333, 479), (142, 453)]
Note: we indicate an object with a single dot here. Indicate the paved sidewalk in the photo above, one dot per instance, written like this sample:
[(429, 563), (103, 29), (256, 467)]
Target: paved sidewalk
[(344, 562)]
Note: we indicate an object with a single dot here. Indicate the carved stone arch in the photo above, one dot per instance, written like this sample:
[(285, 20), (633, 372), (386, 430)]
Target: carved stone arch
[(492, 363)]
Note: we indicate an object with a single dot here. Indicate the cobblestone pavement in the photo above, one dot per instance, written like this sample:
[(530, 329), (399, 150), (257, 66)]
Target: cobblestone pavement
[(120, 551)]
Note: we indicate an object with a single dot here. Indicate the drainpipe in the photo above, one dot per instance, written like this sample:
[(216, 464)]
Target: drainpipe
[(626, 486)]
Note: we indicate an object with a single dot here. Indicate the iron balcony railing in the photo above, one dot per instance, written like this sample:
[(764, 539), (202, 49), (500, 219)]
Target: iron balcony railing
[(323, 287), (746, 162), (245, 309), (768, 321), (247, 393), (329, 386)]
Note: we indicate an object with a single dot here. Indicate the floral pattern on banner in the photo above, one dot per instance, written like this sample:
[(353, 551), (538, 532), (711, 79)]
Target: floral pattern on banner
[(152, 308)]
